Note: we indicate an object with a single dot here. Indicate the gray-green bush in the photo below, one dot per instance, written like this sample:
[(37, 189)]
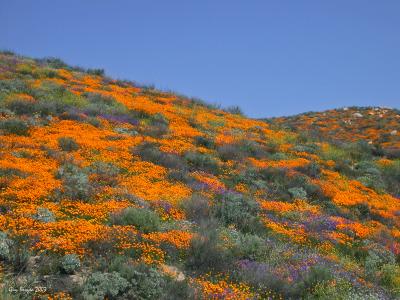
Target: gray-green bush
[(144, 219)]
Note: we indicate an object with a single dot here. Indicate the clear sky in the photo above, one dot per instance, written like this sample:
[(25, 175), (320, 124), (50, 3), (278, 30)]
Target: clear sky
[(270, 57)]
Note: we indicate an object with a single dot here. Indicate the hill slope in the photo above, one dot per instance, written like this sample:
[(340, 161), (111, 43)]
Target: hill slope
[(375, 125), (108, 189)]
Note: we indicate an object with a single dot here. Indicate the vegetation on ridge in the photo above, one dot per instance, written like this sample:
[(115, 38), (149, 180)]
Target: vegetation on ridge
[(112, 190)]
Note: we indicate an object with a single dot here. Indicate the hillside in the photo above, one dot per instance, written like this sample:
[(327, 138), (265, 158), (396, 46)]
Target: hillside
[(113, 190), (375, 125)]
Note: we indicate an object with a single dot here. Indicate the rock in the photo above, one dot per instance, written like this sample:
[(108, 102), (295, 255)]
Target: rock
[(345, 108), (77, 279), (393, 132), (173, 271), (32, 263), (357, 115)]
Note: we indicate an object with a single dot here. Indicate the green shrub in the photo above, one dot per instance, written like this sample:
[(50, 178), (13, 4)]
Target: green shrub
[(197, 208), (48, 264), (5, 244), (104, 285), (9, 86), (391, 177), (157, 130), (98, 72), (103, 105), (250, 246), (260, 277), (390, 277), (105, 173), (200, 161), (236, 110), (298, 193), (21, 106), (145, 282), (234, 209), (312, 170), (241, 149), (158, 127), (362, 211), (75, 182), (70, 263), (144, 219), (60, 96), (180, 175), (94, 121), (14, 126), (151, 152), (68, 144), (18, 253), (341, 290), (205, 253), (316, 275), (230, 152), (11, 172), (205, 142), (53, 62)]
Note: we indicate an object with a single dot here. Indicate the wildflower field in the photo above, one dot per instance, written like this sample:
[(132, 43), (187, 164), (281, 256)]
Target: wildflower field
[(112, 190)]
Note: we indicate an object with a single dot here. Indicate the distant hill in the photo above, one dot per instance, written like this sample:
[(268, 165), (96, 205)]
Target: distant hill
[(112, 190), (374, 125)]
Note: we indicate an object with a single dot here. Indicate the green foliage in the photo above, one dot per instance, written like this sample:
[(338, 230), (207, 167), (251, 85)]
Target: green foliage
[(200, 161), (236, 110), (144, 219), (67, 144), (316, 275), (103, 105), (312, 170), (390, 277), (70, 263), (9, 86), (14, 126), (11, 172), (206, 253), (150, 152), (341, 290), (58, 96), (18, 253), (106, 173), (205, 141), (104, 285), (98, 72), (75, 182), (234, 209), (298, 193), (197, 208), (20, 106), (5, 244), (145, 282), (240, 150), (158, 126), (370, 176), (391, 176), (250, 246)]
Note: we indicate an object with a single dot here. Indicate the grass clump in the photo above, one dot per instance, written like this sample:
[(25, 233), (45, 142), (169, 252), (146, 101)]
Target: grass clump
[(14, 126), (144, 219), (67, 144)]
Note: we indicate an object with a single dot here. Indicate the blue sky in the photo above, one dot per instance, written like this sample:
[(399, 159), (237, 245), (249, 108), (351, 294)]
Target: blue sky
[(271, 58)]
